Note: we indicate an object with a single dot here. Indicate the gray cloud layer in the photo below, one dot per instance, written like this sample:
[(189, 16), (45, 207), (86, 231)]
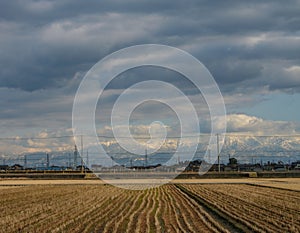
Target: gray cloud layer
[(44, 43), (47, 46)]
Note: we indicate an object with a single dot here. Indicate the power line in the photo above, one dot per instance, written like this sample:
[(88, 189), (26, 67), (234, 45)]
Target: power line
[(33, 138), (146, 137), (260, 136)]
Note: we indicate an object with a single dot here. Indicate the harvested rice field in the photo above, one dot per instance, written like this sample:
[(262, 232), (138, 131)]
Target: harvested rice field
[(180, 207)]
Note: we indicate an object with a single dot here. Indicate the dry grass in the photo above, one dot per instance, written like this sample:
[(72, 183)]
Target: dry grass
[(91, 206), (285, 183), (99, 208), (262, 209)]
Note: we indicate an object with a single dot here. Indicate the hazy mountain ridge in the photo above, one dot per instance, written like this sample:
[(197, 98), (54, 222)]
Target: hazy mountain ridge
[(262, 143)]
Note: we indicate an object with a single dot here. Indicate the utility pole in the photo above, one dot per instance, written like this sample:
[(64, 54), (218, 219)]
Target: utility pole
[(75, 157), (25, 161), (70, 160), (81, 165), (87, 158), (130, 162), (81, 141), (218, 151), (146, 162), (48, 161)]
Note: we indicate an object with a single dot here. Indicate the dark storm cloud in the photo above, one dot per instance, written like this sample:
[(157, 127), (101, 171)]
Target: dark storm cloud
[(44, 43), (214, 15)]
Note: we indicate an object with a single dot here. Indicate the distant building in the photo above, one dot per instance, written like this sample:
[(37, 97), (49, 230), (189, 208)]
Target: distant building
[(295, 165), (96, 167), (16, 167), (4, 167)]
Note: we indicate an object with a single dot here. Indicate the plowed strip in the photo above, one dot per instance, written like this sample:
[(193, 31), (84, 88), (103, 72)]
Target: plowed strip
[(249, 206)]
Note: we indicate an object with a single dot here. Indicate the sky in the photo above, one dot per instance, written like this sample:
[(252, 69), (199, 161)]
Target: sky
[(252, 49)]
